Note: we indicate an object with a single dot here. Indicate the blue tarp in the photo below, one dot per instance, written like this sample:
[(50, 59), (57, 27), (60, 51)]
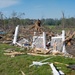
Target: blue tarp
[(1, 32)]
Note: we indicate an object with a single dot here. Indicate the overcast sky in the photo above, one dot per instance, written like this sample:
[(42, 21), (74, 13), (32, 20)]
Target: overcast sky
[(39, 8)]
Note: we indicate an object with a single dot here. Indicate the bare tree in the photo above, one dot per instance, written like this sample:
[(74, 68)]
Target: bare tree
[(13, 19), (21, 16), (1, 19), (63, 20)]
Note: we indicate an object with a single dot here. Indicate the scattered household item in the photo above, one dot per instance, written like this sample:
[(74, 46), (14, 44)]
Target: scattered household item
[(56, 71), (71, 67), (40, 63)]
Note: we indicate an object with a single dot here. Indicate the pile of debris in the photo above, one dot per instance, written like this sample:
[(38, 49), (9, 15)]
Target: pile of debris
[(39, 44), (40, 39)]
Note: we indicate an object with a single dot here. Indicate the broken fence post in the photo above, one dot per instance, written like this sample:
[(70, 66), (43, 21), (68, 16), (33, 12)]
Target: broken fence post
[(63, 39), (15, 35), (44, 40)]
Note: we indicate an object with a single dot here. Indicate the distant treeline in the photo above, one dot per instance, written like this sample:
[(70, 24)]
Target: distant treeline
[(19, 19)]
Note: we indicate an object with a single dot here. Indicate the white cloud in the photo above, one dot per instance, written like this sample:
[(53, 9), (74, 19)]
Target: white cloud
[(7, 3)]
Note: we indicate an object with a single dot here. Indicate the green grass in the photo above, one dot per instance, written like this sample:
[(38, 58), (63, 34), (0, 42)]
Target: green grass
[(13, 66), (59, 29), (51, 27)]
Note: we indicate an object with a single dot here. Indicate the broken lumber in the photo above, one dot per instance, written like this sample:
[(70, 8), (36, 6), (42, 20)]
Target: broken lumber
[(69, 38), (61, 63), (41, 50), (34, 54), (56, 52), (12, 54), (23, 73)]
